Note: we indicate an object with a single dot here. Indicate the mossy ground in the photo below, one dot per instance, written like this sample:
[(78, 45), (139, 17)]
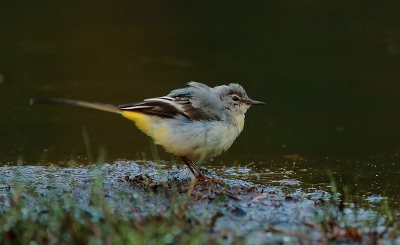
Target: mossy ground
[(130, 203)]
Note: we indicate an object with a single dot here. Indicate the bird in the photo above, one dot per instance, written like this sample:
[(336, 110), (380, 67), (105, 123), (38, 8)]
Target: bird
[(194, 123)]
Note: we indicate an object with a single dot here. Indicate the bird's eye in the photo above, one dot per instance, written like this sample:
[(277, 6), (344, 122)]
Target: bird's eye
[(235, 98)]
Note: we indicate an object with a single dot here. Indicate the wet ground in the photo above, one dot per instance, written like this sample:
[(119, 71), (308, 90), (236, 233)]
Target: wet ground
[(258, 214)]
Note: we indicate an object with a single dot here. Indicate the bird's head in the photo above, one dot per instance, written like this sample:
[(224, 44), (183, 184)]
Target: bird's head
[(234, 98)]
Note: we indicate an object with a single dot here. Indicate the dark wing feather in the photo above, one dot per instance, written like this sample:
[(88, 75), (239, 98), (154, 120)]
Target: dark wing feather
[(199, 113), (161, 107), (196, 102)]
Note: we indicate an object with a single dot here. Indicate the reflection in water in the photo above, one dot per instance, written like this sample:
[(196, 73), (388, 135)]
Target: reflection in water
[(328, 74), (373, 182)]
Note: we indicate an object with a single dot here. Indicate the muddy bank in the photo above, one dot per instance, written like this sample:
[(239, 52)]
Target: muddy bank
[(230, 210)]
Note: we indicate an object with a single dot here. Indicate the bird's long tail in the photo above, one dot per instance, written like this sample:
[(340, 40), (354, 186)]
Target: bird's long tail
[(93, 105)]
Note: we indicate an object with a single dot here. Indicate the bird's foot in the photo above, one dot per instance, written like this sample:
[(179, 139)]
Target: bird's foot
[(202, 177)]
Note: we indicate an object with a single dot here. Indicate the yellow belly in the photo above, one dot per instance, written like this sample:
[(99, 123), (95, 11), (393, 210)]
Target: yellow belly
[(195, 140), (146, 124)]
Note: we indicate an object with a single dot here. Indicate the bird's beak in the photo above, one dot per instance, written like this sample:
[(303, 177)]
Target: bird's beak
[(253, 102)]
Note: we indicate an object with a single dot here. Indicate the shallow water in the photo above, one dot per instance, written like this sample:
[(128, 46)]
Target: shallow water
[(372, 181), (328, 73)]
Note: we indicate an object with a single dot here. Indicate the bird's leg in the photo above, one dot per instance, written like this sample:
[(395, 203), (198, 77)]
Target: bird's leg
[(199, 176), (192, 167), (188, 164)]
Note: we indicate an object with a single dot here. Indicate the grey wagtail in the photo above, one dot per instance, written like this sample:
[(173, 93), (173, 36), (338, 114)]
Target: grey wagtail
[(193, 123)]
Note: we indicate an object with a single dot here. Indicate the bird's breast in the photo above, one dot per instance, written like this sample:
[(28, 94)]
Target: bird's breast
[(194, 139)]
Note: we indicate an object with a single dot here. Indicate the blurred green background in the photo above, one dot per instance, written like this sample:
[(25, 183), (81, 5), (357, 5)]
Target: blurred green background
[(329, 73)]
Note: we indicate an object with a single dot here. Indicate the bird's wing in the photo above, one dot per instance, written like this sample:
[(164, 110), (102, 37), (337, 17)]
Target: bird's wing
[(195, 102), (161, 107)]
